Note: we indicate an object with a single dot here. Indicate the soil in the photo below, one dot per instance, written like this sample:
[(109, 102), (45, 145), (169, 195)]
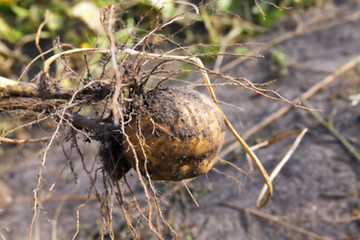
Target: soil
[(318, 189)]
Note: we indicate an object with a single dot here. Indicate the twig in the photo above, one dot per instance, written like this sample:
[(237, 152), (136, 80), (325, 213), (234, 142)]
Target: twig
[(324, 220), (38, 33), (239, 139), (26, 89), (336, 134), (191, 195), (32, 62), (281, 164), (269, 142), (17, 141), (274, 219), (259, 7), (197, 12), (228, 150)]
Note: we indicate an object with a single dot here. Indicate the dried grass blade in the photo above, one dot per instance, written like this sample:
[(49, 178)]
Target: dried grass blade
[(280, 166), (275, 219), (237, 136), (190, 193)]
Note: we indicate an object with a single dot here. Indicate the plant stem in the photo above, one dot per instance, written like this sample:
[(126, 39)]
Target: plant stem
[(334, 132), (13, 88)]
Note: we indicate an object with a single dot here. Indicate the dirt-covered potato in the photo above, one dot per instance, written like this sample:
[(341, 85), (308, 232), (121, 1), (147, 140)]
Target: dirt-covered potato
[(178, 131)]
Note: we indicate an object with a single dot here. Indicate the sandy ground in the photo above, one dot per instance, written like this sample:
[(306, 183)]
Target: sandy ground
[(318, 189)]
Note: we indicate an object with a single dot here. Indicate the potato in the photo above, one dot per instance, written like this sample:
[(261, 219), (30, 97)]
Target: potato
[(176, 134)]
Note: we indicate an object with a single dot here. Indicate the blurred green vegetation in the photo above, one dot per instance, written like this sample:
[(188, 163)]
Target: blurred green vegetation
[(21, 18), (278, 63), (78, 23)]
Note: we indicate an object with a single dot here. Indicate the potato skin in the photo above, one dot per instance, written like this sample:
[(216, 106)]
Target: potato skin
[(182, 131)]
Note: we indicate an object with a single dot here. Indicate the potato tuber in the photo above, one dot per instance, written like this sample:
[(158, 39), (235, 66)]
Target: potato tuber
[(175, 133)]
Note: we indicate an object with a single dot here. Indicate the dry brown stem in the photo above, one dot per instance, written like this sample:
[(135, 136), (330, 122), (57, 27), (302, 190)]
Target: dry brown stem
[(19, 141), (37, 39), (190, 193), (281, 164), (275, 219)]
